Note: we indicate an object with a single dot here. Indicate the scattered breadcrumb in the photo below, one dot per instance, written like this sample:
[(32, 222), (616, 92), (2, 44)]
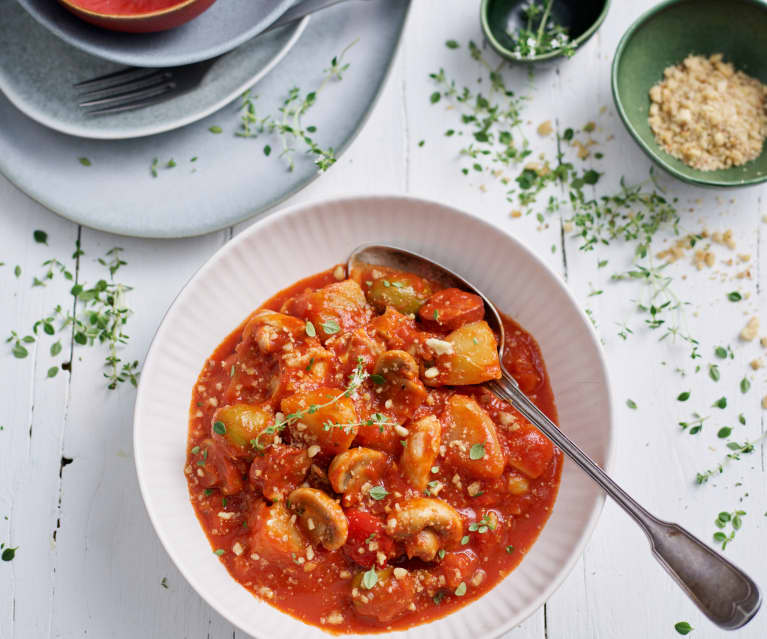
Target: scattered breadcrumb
[(750, 330), (545, 128)]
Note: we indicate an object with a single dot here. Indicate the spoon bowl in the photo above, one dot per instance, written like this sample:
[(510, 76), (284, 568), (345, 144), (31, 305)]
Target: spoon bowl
[(384, 255), (723, 592)]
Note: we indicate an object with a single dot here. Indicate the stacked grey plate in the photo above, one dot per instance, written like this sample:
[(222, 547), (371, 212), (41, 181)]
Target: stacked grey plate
[(45, 136)]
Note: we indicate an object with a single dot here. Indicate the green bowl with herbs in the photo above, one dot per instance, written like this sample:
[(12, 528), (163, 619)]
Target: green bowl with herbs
[(664, 37), (534, 31)]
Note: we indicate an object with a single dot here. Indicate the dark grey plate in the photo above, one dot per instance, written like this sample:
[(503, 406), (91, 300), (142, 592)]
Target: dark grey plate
[(226, 25), (38, 72), (232, 179)]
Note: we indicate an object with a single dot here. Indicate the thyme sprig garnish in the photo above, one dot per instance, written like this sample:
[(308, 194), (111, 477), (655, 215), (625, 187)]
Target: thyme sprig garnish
[(376, 419), (356, 378), (288, 124)]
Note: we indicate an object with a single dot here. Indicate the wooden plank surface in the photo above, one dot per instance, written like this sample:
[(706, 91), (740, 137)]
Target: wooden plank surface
[(89, 564)]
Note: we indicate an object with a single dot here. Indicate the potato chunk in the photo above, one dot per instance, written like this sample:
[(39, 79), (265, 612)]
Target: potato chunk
[(311, 429), (468, 427), (336, 308), (470, 358)]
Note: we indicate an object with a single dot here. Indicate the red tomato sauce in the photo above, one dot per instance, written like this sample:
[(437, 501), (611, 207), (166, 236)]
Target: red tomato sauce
[(250, 493), (125, 7)]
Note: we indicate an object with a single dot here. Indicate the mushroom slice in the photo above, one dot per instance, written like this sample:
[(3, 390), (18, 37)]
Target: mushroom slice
[(424, 545), (352, 468), (426, 514), (321, 517)]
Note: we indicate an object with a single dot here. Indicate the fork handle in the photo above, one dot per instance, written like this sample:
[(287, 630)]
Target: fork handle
[(723, 592)]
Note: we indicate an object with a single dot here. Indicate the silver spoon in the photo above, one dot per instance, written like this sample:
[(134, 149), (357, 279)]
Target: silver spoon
[(723, 592)]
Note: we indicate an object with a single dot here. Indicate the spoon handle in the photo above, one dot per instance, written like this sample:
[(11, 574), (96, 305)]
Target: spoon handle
[(723, 592)]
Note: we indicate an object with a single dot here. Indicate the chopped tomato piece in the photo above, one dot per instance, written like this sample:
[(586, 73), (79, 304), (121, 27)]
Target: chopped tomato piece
[(528, 450), (279, 471), (457, 567), (396, 329), (388, 599), (366, 539), (523, 362), (215, 468)]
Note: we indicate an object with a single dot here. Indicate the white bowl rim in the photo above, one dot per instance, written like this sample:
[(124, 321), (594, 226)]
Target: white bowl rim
[(304, 208)]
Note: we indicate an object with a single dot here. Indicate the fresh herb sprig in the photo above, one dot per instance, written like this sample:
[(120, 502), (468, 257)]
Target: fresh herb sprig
[(356, 378), (736, 450), (541, 34), (376, 419), (101, 318), (288, 125), (492, 120)]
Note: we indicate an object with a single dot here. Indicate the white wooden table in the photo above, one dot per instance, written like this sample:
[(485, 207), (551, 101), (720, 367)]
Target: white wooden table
[(89, 564)]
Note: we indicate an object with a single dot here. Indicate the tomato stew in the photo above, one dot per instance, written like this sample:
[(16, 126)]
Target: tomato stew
[(347, 466)]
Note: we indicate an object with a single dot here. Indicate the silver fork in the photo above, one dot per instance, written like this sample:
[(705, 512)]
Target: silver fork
[(136, 87)]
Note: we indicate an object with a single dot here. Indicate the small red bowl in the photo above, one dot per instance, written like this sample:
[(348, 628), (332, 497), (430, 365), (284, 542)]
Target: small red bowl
[(137, 16)]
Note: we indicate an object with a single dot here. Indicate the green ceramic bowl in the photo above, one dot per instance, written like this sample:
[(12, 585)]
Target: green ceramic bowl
[(581, 17), (663, 37)]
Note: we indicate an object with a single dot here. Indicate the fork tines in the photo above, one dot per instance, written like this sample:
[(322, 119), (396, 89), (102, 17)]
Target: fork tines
[(123, 90)]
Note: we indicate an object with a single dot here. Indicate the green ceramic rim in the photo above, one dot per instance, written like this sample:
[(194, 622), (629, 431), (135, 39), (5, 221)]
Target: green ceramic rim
[(502, 51), (651, 152)]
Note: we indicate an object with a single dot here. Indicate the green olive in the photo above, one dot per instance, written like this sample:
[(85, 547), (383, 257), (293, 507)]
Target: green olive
[(239, 423), (406, 295)]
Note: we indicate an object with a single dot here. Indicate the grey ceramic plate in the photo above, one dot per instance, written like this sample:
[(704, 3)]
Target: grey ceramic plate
[(38, 71), (232, 179), (226, 25)]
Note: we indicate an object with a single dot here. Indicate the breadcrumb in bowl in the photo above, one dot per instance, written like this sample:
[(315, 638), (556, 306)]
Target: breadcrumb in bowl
[(680, 118), (708, 114)]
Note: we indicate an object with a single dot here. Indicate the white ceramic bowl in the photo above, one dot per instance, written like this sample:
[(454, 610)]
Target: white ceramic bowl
[(298, 242)]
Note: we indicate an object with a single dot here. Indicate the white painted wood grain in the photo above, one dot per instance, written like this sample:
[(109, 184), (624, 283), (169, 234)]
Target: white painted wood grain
[(101, 577)]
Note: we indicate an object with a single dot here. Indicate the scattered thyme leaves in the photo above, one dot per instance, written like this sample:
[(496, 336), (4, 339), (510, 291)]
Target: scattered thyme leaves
[(288, 124), (100, 318)]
